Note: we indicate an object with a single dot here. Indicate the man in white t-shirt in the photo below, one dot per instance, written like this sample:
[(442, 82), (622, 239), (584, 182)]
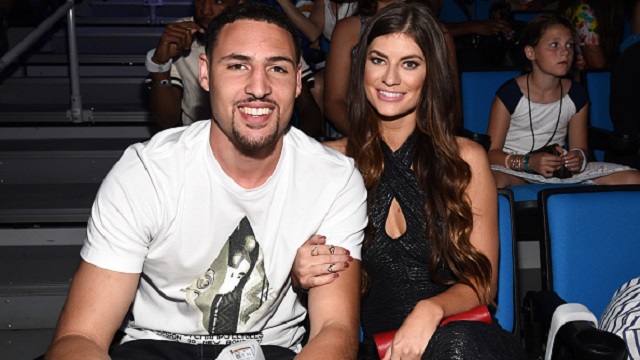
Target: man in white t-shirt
[(193, 235)]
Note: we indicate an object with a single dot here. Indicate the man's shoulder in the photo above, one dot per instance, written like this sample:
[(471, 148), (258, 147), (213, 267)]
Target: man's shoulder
[(309, 150), (174, 141)]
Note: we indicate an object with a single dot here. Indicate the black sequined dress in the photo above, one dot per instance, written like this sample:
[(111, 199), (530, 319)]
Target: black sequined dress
[(399, 278)]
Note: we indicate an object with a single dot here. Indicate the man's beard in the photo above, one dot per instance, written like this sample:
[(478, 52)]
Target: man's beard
[(255, 144)]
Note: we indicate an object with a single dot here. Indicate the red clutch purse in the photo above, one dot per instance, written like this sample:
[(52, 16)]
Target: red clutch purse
[(478, 313)]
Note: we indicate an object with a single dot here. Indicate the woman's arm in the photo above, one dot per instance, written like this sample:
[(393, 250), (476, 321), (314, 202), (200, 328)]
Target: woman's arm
[(593, 56), (413, 336), (312, 26), (338, 70), (499, 121), (577, 133)]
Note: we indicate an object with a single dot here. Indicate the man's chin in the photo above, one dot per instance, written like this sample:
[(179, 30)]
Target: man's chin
[(256, 143)]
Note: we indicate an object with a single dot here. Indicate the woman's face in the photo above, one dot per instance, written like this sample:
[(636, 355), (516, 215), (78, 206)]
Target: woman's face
[(394, 72)]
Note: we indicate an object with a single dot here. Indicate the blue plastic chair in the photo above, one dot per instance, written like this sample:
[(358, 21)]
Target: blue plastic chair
[(507, 299), (478, 88), (591, 242), (599, 88), (602, 137)]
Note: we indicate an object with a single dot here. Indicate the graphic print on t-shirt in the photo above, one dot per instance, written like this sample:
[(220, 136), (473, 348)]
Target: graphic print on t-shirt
[(235, 285)]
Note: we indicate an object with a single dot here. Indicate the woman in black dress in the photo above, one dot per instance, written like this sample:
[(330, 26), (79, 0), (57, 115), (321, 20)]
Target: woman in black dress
[(431, 250)]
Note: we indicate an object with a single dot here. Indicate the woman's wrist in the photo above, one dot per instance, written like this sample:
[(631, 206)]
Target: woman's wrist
[(584, 159), (515, 162), (431, 309)]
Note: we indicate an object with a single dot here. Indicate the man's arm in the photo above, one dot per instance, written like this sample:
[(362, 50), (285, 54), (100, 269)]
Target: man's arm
[(97, 303), (166, 99), (334, 314), (334, 309)]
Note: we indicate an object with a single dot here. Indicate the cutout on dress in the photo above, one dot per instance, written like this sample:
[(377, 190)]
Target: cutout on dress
[(395, 225)]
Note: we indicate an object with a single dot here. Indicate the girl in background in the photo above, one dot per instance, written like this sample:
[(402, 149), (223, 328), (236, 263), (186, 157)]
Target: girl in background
[(543, 107)]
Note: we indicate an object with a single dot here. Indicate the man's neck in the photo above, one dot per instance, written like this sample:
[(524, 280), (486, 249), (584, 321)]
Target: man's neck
[(248, 169)]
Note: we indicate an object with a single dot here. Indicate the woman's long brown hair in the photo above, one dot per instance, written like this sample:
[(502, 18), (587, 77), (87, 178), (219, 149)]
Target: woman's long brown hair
[(439, 169)]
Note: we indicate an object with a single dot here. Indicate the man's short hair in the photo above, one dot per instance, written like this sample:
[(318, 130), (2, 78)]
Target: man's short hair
[(250, 11)]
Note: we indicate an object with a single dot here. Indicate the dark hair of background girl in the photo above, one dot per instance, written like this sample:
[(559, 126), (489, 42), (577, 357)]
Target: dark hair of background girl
[(440, 172)]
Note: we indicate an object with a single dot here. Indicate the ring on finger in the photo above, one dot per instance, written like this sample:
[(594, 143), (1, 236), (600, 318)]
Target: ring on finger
[(332, 249), (330, 268), (314, 251)]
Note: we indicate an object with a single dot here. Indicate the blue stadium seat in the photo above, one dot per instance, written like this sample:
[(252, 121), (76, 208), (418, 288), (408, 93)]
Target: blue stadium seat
[(591, 241), (478, 88), (599, 87), (507, 313), (590, 248), (602, 138)]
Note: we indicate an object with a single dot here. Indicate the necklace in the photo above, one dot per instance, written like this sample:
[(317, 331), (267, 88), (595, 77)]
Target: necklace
[(533, 136)]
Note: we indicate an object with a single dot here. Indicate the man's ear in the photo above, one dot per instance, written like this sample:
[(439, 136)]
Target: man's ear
[(203, 65), (528, 52), (299, 79)]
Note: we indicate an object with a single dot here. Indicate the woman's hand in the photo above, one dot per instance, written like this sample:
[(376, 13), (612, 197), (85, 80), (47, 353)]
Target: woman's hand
[(545, 164), (412, 337), (573, 160), (318, 264)]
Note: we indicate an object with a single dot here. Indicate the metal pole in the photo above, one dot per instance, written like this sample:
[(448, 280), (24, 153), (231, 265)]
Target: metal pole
[(33, 36), (74, 76)]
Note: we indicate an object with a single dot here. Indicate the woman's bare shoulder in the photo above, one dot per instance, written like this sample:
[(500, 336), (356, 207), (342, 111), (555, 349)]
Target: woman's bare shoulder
[(470, 151)]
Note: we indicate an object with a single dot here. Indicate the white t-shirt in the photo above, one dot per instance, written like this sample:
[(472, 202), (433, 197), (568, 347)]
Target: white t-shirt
[(345, 10), (215, 258), (184, 73)]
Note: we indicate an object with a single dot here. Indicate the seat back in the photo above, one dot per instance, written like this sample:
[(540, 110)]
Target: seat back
[(599, 88), (507, 298), (591, 242), (478, 88)]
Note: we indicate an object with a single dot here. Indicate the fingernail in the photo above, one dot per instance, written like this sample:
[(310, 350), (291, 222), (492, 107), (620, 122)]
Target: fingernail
[(348, 252), (335, 275), (323, 237), (346, 264), (350, 258)]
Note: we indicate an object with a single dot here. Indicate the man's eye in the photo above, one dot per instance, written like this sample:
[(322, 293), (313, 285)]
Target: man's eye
[(237, 67), (279, 69)]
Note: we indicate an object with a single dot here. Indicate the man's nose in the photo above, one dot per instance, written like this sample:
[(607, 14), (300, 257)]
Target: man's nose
[(258, 85)]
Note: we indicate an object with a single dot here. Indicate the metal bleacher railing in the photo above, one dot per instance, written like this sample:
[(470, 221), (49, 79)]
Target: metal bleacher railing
[(76, 113), (72, 98)]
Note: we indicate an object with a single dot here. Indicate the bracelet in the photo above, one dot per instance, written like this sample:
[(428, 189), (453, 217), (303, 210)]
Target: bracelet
[(506, 161), (153, 67), (527, 169), (584, 159)]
